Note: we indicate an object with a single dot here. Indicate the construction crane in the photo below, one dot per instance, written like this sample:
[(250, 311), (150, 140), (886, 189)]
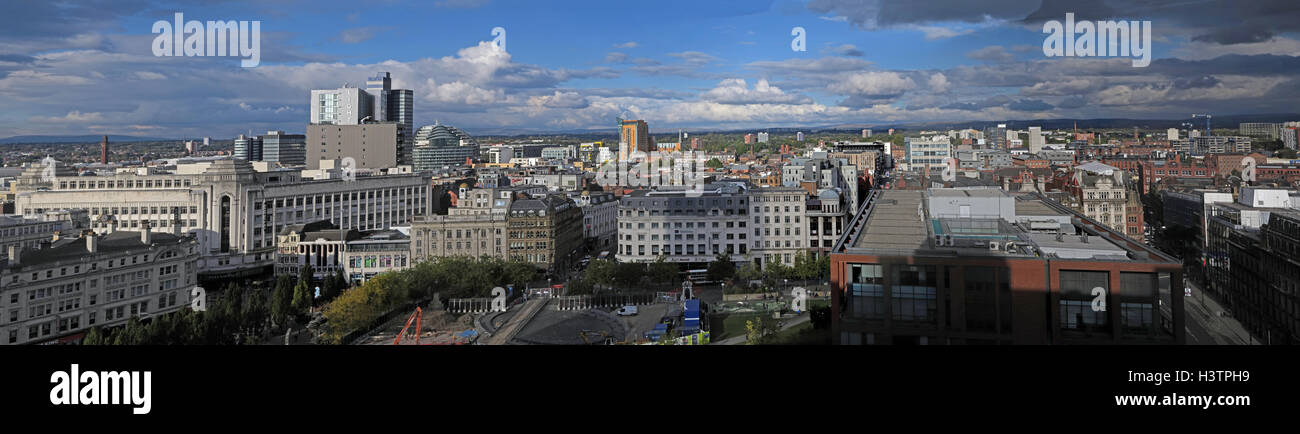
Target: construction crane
[(418, 317), (1207, 122)]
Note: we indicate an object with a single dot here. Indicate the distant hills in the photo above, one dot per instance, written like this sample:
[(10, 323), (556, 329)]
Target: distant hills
[(22, 140)]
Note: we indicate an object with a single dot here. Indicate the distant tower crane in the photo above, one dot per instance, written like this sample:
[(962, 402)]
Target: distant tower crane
[(1207, 122)]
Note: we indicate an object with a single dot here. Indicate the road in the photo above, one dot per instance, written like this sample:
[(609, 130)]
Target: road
[(1206, 327), (516, 322)]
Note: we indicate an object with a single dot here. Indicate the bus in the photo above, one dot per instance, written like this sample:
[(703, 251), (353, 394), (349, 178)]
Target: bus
[(698, 277)]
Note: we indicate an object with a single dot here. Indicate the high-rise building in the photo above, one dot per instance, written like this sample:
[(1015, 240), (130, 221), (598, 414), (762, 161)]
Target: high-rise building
[(248, 148), (866, 132), (342, 106), (1172, 134), (286, 149), (1035, 139), (762, 137), (440, 145), (103, 151), (1259, 129), (370, 145), (798, 136), (377, 103), (633, 136)]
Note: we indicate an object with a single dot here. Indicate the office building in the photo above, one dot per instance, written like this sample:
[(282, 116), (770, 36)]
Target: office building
[(29, 232), (983, 266), (438, 146), (545, 230), (682, 227), (369, 145), (1266, 130), (248, 148), (1035, 140), (55, 294), (928, 152), (286, 149), (233, 210), (633, 136), (359, 255)]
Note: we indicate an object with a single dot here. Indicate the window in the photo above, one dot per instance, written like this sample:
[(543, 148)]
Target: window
[(1076, 301), (1137, 302), (867, 291), (914, 293)]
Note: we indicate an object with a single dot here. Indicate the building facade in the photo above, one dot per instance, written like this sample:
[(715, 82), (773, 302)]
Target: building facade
[(232, 210), (57, 293)]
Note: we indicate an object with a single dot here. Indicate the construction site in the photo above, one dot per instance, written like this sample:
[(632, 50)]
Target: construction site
[(537, 320)]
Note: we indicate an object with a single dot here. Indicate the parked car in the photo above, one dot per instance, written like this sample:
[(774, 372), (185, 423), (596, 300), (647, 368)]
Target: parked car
[(628, 310)]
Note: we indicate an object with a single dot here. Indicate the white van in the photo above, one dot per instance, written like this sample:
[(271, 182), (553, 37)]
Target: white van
[(626, 310)]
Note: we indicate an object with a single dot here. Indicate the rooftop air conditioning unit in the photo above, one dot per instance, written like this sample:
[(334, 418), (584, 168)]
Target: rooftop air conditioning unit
[(1010, 247), (993, 246)]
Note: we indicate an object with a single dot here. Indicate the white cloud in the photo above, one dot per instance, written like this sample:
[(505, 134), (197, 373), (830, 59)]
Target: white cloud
[(736, 91), (874, 84)]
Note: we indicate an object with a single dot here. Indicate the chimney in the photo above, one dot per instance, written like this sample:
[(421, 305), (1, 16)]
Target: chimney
[(146, 236), (15, 254), (92, 242)]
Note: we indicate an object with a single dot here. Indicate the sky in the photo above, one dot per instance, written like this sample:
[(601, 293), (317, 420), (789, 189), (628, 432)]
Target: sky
[(87, 67)]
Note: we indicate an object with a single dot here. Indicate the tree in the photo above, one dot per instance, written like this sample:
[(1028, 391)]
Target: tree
[(601, 272), (663, 272), (578, 286), (713, 163), (628, 275), (282, 299), (721, 269), (759, 329), (748, 272), (302, 298)]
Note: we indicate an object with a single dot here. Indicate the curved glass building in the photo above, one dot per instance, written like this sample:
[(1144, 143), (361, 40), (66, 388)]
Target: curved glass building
[(439, 145)]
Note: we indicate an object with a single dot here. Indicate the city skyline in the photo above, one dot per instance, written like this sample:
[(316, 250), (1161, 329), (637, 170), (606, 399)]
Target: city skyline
[(717, 65)]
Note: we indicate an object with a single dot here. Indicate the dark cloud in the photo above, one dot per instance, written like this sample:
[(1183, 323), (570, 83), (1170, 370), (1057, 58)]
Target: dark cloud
[(1072, 102), (992, 54), (1217, 21), (1236, 35), (1196, 82), (1030, 105)]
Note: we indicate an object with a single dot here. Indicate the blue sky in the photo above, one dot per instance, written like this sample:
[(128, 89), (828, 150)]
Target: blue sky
[(86, 67)]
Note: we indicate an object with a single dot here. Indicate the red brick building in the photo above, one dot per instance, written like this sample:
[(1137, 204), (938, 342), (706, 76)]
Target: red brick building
[(963, 274)]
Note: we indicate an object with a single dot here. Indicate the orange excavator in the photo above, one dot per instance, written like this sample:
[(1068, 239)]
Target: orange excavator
[(418, 317)]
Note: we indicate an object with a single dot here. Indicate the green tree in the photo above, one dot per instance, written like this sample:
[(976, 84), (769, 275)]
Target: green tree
[(663, 272), (302, 298), (748, 272), (282, 299), (713, 163), (578, 286), (601, 272), (721, 269), (628, 275)]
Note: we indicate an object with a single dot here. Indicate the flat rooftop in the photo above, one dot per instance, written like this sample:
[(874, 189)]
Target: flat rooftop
[(897, 222)]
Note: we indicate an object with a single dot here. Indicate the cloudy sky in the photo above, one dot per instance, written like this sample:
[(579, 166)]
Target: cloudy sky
[(87, 67)]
